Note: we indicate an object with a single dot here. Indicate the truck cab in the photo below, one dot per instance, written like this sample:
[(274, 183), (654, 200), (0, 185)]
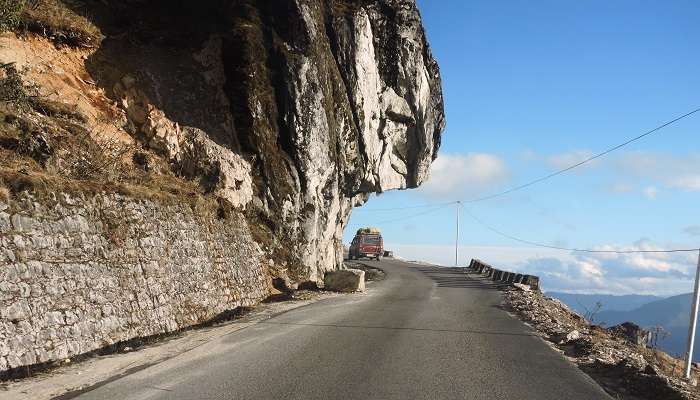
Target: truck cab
[(368, 243)]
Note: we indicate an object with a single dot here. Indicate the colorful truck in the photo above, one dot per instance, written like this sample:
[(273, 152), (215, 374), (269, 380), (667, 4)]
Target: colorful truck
[(368, 242)]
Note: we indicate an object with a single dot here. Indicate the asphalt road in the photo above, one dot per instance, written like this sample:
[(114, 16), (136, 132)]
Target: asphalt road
[(422, 333)]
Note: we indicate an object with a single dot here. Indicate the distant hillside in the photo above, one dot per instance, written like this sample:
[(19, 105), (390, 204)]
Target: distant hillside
[(581, 302), (672, 313)]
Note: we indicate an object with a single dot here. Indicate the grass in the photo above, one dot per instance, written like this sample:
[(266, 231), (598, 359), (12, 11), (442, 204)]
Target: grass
[(10, 11), (46, 148), (59, 22)]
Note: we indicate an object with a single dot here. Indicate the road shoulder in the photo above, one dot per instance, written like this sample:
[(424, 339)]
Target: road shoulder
[(72, 378)]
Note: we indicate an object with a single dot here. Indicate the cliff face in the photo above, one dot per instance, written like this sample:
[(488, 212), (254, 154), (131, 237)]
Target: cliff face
[(161, 161), (294, 110), (351, 104)]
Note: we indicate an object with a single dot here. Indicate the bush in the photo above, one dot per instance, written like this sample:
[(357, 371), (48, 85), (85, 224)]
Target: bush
[(12, 88), (10, 11)]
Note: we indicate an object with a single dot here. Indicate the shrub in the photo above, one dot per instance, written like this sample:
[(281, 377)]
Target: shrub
[(12, 88), (10, 11)]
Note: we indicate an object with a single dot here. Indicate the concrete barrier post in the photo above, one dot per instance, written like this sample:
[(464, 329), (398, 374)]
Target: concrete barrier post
[(505, 276), (498, 275)]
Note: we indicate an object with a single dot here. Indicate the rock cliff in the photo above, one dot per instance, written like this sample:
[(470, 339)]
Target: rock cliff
[(295, 110), (145, 144)]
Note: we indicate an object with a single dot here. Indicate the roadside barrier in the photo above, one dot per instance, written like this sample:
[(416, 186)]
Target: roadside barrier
[(508, 277)]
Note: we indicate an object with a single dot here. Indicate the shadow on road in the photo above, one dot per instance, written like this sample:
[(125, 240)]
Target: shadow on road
[(467, 331), (459, 278)]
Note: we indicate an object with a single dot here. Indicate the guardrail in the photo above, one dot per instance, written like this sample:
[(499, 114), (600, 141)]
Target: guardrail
[(504, 276)]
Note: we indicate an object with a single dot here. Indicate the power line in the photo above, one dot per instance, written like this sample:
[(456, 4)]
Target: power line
[(529, 242), (594, 157), (403, 208), (438, 208)]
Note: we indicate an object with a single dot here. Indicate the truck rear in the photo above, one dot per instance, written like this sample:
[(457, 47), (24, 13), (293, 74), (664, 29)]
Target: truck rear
[(368, 242)]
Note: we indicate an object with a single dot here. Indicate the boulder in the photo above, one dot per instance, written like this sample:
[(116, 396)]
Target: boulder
[(566, 337), (631, 332), (346, 280), (520, 286)]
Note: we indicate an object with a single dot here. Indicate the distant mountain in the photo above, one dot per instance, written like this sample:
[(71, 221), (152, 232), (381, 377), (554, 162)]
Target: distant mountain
[(672, 314), (581, 302)]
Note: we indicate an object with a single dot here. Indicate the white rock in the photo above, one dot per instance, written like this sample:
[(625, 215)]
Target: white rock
[(348, 280)]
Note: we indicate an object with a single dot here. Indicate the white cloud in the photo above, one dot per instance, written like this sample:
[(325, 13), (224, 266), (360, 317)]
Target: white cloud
[(529, 155), (653, 273), (621, 188), (454, 175), (692, 230), (690, 183), (559, 160), (651, 192), (659, 273), (673, 171), (566, 160), (662, 169)]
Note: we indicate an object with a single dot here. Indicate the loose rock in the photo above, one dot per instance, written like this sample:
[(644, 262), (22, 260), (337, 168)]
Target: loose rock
[(348, 280)]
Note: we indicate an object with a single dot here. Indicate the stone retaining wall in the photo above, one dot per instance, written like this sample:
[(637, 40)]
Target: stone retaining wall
[(79, 274)]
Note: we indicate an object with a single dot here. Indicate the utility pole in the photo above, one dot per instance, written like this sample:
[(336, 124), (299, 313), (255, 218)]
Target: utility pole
[(693, 323), (459, 204)]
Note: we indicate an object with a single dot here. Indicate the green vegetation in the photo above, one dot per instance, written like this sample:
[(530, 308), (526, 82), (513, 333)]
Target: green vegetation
[(56, 19), (59, 21), (10, 11), (12, 88)]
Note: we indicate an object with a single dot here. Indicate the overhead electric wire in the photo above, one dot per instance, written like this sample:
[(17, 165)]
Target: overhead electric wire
[(529, 242), (360, 209), (438, 208), (587, 160)]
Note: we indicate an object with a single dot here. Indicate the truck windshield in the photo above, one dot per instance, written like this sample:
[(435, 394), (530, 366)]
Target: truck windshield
[(372, 240)]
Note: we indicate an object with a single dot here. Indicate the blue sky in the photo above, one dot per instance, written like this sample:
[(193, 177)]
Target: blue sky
[(531, 87)]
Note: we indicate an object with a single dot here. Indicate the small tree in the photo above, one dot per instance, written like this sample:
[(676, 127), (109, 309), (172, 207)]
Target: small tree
[(657, 333), (590, 313)]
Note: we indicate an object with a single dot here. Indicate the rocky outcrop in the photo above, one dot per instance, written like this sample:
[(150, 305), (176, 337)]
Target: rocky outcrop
[(210, 150), (616, 358), (310, 106)]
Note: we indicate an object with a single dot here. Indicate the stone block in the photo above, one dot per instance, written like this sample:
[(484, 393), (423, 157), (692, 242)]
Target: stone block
[(5, 224), (348, 280), (532, 281), (17, 311)]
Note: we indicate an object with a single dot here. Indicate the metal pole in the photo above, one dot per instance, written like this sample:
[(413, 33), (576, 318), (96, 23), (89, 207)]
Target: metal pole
[(457, 237), (693, 322)]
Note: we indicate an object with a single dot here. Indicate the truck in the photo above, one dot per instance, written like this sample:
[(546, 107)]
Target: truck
[(368, 242)]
